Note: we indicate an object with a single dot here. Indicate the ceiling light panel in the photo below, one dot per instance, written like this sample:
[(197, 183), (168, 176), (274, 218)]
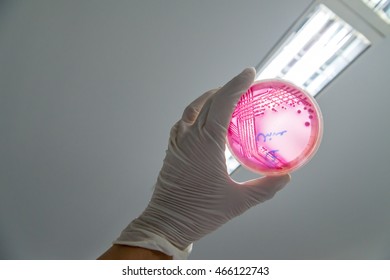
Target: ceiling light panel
[(313, 54), (380, 7)]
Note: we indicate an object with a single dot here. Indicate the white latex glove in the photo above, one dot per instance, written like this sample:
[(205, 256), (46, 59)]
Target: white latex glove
[(194, 195)]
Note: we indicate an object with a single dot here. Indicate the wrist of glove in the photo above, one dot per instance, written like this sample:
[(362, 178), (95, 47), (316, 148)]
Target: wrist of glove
[(194, 195)]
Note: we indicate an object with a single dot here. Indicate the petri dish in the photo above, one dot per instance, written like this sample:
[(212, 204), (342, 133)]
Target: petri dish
[(275, 128)]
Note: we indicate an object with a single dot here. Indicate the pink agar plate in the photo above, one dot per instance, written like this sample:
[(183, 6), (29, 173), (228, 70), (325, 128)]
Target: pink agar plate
[(275, 128)]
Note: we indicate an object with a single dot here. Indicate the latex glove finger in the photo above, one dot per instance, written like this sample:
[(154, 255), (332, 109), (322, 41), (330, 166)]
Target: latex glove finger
[(225, 100), (191, 112), (262, 189), (190, 115)]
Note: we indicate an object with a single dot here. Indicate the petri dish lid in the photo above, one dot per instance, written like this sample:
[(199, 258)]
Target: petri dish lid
[(275, 128)]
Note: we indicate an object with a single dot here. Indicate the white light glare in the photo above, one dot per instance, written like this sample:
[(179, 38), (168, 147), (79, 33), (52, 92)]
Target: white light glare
[(314, 54), (231, 163), (380, 7)]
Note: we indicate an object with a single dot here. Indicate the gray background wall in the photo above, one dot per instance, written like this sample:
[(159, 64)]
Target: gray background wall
[(90, 89)]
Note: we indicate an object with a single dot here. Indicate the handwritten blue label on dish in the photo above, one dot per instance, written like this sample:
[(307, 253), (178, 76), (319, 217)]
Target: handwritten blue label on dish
[(268, 136)]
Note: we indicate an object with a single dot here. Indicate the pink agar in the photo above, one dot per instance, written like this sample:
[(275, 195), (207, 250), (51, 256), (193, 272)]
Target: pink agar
[(275, 128)]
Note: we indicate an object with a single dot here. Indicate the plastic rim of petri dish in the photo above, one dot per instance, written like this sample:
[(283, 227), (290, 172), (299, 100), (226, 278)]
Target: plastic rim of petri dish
[(275, 128)]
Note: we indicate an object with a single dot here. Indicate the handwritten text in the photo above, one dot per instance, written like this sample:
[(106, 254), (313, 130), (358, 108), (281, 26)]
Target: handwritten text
[(268, 136)]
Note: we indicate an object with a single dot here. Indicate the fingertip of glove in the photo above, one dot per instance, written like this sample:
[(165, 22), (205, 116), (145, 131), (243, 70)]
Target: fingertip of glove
[(249, 71), (280, 180), (270, 181), (240, 83)]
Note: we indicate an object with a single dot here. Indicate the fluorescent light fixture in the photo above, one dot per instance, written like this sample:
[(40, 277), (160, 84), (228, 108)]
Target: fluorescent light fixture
[(312, 54), (380, 7)]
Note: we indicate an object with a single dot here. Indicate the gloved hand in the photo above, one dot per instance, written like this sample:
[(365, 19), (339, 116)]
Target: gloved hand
[(194, 195)]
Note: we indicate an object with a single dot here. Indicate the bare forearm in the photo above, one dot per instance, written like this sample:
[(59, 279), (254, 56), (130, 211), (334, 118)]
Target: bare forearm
[(122, 252)]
